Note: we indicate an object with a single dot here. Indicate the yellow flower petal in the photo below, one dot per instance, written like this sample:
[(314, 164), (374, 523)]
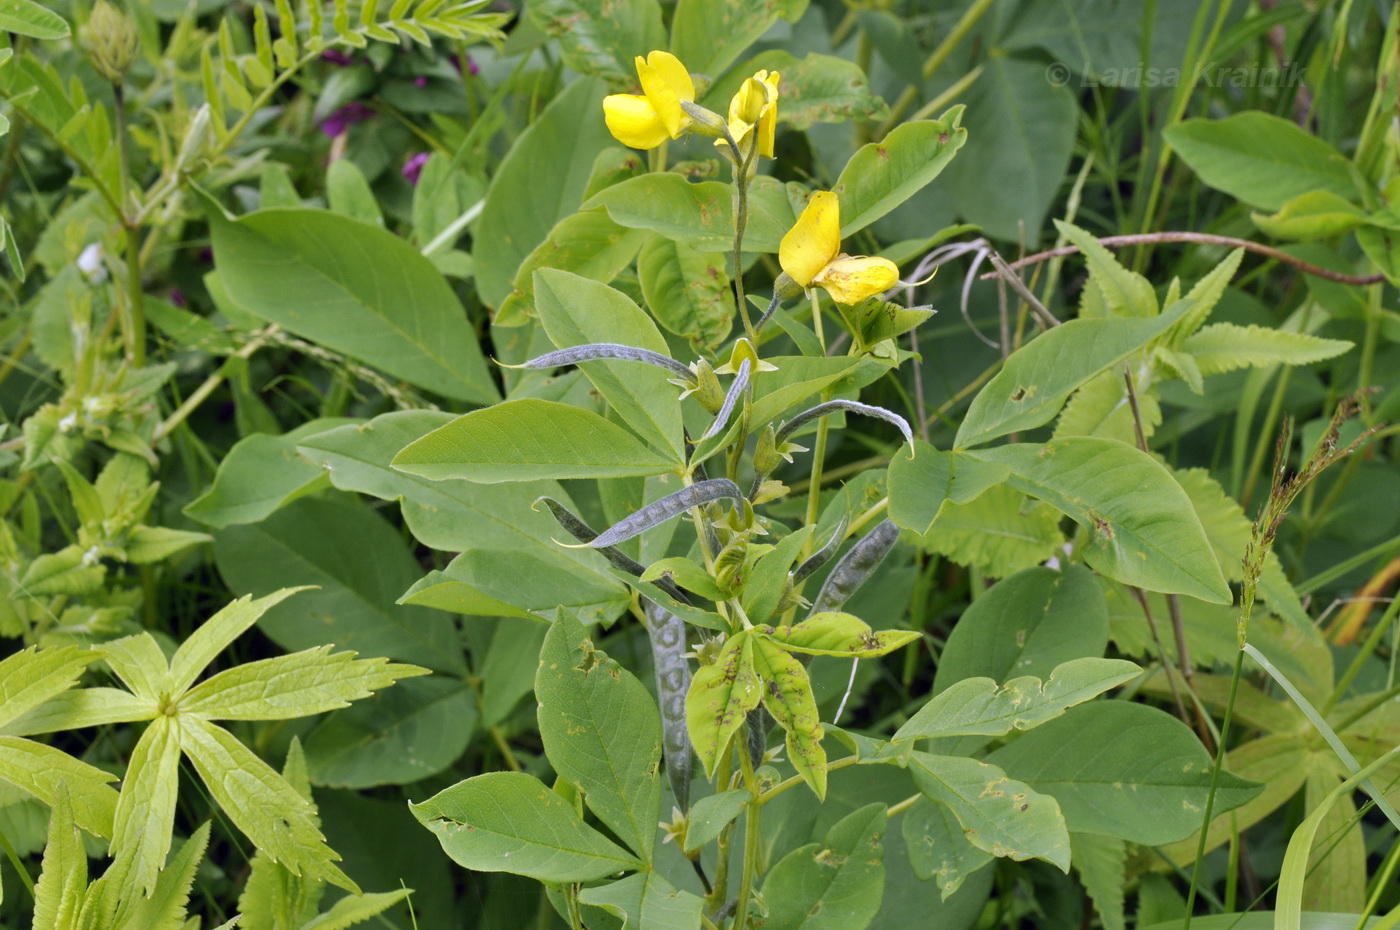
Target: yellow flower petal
[(814, 240), (850, 280), (633, 121), (666, 83)]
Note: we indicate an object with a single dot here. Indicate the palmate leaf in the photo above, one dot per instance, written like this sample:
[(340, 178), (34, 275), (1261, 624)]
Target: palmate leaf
[(145, 811), (82, 707), (298, 685), (58, 895), (38, 769)]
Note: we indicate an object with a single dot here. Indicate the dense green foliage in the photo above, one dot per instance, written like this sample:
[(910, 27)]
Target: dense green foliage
[(500, 464)]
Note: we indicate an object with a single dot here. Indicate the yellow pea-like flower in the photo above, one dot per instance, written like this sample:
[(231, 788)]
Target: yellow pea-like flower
[(755, 106), (811, 255), (644, 121)]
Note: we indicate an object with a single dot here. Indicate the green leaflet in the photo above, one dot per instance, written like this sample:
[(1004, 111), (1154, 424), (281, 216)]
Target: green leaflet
[(699, 216), (816, 88), (58, 895), (979, 707), (28, 18), (589, 244), (1225, 347), (837, 884), (522, 440), (1142, 529), (839, 634), (710, 35), (721, 696), (145, 811), (787, 693), (599, 37), (510, 821), (881, 176), (646, 899), (923, 481), (602, 732), (938, 848)]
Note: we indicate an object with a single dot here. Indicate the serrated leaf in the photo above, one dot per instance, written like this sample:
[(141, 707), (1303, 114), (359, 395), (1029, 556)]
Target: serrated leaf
[(58, 894), (215, 635), (981, 707), (260, 802), (37, 769), (1101, 408), (1142, 529), (1225, 347), (837, 884), (999, 815), (1204, 295), (32, 676), (356, 909), (602, 732), (1124, 293), (298, 685), (145, 812), (82, 707), (165, 909), (512, 822), (787, 694), (1100, 861), (720, 698)]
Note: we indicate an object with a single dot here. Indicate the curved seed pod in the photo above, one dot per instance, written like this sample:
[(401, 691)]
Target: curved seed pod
[(607, 350), (823, 555), (858, 565), (672, 505), (736, 390), (667, 634), (757, 735), (584, 533), (850, 406)]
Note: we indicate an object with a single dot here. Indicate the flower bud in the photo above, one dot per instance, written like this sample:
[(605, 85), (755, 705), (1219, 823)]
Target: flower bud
[(765, 454), (704, 122), (196, 137), (708, 390), (785, 288), (111, 41)]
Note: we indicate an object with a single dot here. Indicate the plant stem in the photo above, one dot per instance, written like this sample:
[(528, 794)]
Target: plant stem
[(136, 296), (211, 384), (934, 60), (1215, 770), (741, 219), (15, 861), (751, 838)]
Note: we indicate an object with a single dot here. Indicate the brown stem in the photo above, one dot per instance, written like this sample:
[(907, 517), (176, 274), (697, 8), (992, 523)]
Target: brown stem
[(1114, 242)]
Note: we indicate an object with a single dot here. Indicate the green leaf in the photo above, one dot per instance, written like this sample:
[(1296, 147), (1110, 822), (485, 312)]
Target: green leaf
[(768, 575), (260, 474), (522, 440), (355, 289), (525, 199), (720, 698), (216, 634), (360, 565), (165, 909), (589, 244), (83, 707), (882, 175), (30, 19), (58, 895), (32, 676), (576, 311), (349, 194), (787, 694), (148, 544), (599, 37), (1101, 406), (38, 770), (488, 583), (260, 802), (923, 481), (646, 900), (1027, 624), (602, 732), (145, 812), (997, 532), (298, 685), (511, 822), (814, 89), (999, 815), (1035, 381), (141, 665), (356, 909), (701, 215), (709, 35), (1124, 293), (837, 884), (1225, 347), (1318, 214), (687, 291), (405, 734), (938, 848), (1142, 529), (1100, 861), (841, 635), (1110, 762), (708, 816), (1261, 159), (981, 707)]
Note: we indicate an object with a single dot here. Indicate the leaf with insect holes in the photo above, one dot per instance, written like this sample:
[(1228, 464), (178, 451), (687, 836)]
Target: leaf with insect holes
[(787, 693), (720, 698)]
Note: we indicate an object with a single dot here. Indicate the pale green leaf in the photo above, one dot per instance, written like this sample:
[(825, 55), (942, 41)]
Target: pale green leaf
[(521, 440), (709, 815), (999, 532), (28, 18), (356, 909), (816, 88), (63, 881), (999, 815), (298, 685), (512, 822), (147, 544), (1124, 293), (882, 175), (588, 244), (602, 732), (260, 802), (837, 884), (1225, 347), (145, 812), (687, 291), (1111, 764), (1142, 529), (787, 694), (37, 769), (63, 573), (699, 215), (165, 908), (646, 901), (1101, 407), (83, 707), (215, 635), (32, 676), (980, 707), (138, 661), (923, 481), (1318, 214), (839, 634), (1204, 295)]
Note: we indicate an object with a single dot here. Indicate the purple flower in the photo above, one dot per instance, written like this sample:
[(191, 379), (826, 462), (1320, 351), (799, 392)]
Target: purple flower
[(472, 68), (336, 57), (342, 119), (420, 81), (413, 168), (178, 298)]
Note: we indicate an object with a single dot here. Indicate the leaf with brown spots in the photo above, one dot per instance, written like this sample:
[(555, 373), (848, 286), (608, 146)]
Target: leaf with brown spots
[(787, 693), (842, 635), (837, 884), (721, 696)]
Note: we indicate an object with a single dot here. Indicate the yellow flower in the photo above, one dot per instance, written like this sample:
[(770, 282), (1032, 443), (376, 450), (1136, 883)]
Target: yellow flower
[(756, 104), (811, 255), (646, 121)]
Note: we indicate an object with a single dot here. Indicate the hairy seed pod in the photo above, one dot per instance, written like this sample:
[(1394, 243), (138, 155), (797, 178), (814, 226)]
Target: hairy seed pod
[(608, 350), (672, 505), (823, 555), (758, 734), (726, 410), (667, 634), (857, 566), (850, 406), (584, 533)]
